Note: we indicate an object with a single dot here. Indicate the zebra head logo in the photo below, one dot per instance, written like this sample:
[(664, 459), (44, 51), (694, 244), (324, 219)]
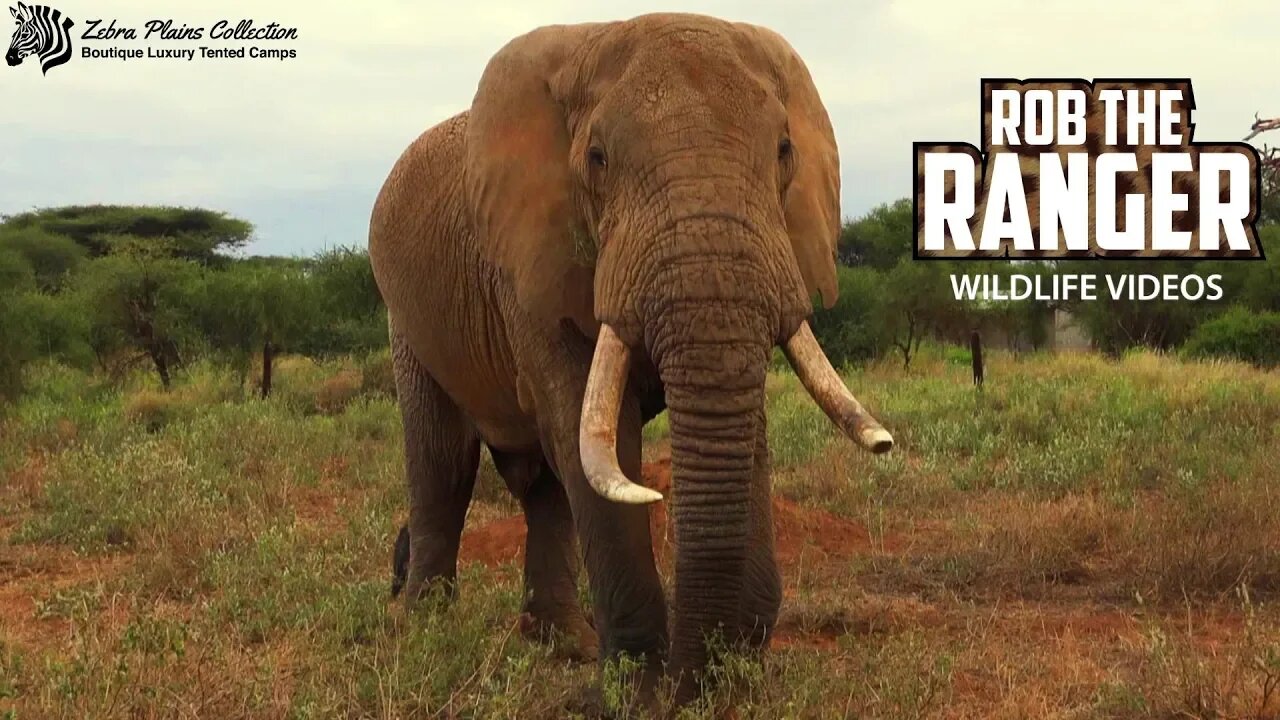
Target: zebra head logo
[(42, 31)]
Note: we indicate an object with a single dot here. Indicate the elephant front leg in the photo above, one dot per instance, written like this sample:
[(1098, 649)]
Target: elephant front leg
[(762, 584), (627, 598), (551, 611)]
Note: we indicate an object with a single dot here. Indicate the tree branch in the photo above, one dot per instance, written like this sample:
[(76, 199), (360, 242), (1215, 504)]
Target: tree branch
[(1260, 126)]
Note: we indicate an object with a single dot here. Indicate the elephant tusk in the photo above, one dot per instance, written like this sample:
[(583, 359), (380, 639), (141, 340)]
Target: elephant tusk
[(829, 392), (598, 431)]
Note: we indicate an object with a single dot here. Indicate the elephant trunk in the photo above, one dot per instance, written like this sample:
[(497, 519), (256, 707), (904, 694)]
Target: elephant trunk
[(715, 396)]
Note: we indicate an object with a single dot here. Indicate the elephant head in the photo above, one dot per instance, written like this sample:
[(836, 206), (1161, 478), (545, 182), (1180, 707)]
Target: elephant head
[(670, 185)]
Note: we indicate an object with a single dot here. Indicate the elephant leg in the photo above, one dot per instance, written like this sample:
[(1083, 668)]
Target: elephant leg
[(442, 452), (628, 604), (762, 584), (551, 606)]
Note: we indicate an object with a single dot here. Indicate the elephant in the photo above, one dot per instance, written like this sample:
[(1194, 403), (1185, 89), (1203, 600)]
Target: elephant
[(628, 219)]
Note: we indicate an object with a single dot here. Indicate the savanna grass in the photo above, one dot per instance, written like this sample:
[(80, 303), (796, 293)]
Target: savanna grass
[(239, 547)]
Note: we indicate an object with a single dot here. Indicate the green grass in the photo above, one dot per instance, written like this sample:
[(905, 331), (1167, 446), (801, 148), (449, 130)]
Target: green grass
[(206, 553)]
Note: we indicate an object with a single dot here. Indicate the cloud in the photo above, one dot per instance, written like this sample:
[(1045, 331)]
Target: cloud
[(301, 147)]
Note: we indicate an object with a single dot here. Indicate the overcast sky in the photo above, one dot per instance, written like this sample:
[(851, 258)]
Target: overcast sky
[(301, 147)]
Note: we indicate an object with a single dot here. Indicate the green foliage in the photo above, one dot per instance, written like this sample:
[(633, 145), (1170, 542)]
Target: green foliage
[(348, 296), (197, 234), (245, 308), (957, 356), (1023, 324), (1239, 334), (52, 257), (16, 273), (918, 302), (16, 349), (17, 334), (122, 285), (879, 239), (378, 374), (897, 303), (852, 330), (141, 302), (1260, 284), (345, 278), (60, 327)]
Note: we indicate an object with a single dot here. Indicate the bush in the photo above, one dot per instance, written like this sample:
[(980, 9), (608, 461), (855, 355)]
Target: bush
[(153, 409), (17, 336), (1239, 334), (955, 355), (852, 330), (377, 375), (337, 392)]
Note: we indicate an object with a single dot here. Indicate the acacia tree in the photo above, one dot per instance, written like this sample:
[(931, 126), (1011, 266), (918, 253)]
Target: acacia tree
[(262, 308), (139, 300), (347, 296), (53, 258), (917, 303), (196, 234)]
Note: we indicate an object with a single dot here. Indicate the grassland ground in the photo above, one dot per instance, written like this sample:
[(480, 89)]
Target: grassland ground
[(1083, 538)]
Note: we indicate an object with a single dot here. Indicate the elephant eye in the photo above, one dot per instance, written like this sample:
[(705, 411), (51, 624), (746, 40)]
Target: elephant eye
[(596, 157), (784, 148)]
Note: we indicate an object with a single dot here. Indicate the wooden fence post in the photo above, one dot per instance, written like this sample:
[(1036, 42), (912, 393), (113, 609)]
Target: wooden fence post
[(975, 348)]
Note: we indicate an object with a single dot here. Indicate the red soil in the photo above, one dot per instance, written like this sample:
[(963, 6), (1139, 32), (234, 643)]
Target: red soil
[(29, 573), (494, 543)]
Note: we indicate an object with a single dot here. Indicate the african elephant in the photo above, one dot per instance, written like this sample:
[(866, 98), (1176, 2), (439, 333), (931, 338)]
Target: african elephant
[(629, 218)]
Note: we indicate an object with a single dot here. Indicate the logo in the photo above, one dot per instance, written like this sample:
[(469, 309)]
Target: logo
[(42, 31), (45, 32), (1070, 168)]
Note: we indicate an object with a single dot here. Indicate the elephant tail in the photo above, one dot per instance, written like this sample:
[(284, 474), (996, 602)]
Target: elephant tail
[(400, 561)]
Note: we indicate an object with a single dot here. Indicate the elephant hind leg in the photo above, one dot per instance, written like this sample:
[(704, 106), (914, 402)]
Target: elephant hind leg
[(442, 452), (400, 561), (551, 611)]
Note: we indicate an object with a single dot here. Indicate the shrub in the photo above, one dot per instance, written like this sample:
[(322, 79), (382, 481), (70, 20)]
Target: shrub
[(954, 355), (851, 330), (153, 409), (1239, 334), (377, 376), (336, 392)]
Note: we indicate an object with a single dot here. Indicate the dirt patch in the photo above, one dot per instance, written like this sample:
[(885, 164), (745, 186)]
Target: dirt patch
[(318, 507), (805, 531), (35, 576), (494, 543), (785, 638), (1087, 622), (22, 486)]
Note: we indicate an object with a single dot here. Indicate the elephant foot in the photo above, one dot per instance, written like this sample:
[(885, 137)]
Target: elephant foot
[(626, 690), (429, 595), (569, 634)]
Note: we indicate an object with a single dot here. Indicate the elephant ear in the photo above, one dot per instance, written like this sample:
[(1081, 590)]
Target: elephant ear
[(519, 182), (812, 202)]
